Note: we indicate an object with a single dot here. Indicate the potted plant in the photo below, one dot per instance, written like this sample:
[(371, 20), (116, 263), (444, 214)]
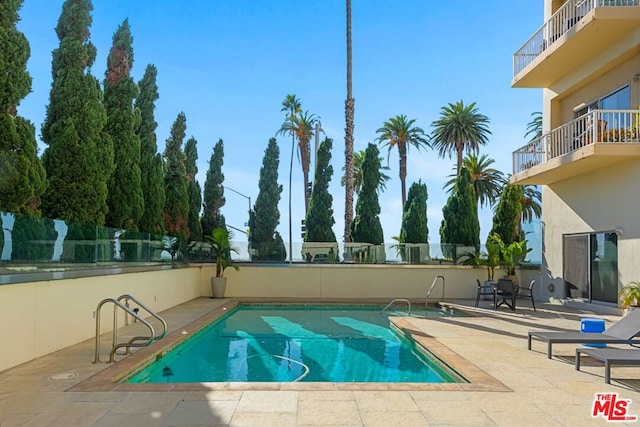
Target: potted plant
[(490, 259), (513, 255), (172, 245), (220, 241), (630, 295)]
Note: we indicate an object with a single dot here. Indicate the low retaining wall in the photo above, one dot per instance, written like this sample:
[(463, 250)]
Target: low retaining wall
[(351, 281), (38, 318)]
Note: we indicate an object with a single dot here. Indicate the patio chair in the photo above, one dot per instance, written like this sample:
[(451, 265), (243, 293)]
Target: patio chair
[(610, 357), (483, 289), (528, 293), (507, 291), (622, 332)]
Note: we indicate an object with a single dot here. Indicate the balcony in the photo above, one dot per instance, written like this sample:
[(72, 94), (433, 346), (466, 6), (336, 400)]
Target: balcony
[(593, 141), (579, 31)]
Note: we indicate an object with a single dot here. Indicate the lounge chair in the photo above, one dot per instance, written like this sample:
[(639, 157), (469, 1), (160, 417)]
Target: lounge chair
[(610, 357), (621, 332)]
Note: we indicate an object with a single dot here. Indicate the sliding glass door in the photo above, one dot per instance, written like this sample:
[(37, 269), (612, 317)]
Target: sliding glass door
[(576, 266), (604, 267), (590, 264)]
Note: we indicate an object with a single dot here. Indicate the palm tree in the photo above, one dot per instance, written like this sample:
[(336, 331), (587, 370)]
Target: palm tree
[(349, 110), (291, 105), (358, 160), (487, 181), (400, 132), (531, 203), (534, 127), (301, 126), (460, 128)]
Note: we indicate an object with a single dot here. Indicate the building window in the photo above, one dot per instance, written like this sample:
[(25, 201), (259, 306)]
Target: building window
[(590, 266), (617, 100)]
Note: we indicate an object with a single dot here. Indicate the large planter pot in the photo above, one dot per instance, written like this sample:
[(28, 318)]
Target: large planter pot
[(513, 277), (218, 286), (485, 296)]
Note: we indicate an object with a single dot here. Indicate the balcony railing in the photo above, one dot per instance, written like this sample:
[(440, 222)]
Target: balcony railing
[(560, 22), (598, 126)]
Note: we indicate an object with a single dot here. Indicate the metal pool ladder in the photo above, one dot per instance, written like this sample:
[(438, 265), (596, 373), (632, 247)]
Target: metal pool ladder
[(398, 300), (135, 341), (426, 300)]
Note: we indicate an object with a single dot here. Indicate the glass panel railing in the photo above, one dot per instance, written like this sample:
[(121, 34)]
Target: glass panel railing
[(30, 244)]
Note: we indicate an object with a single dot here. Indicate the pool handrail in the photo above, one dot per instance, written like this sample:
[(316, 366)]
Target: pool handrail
[(433, 284), (115, 346), (129, 297), (397, 300)]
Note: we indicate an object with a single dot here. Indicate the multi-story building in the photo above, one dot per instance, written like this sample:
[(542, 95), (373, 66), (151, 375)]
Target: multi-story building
[(586, 58)]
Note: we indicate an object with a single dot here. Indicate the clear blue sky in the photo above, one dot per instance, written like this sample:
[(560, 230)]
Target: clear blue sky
[(228, 64)]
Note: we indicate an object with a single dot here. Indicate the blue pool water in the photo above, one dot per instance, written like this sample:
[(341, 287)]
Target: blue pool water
[(281, 343)]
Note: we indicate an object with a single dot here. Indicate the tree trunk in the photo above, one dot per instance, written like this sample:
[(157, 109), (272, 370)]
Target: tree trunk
[(293, 143), (305, 174), (349, 109), (305, 159), (403, 175)]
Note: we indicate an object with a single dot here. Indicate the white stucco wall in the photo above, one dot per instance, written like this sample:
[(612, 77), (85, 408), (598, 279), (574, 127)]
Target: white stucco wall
[(605, 200), (38, 318)]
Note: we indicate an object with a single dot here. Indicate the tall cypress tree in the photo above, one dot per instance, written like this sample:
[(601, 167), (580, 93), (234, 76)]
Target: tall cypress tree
[(193, 189), (176, 205), (22, 176), (366, 227), (79, 156), (506, 220), (125, 199), (264, 242), (414, 219), (414, 224), (151, 167), (460, 224), (214, 192), (319, 221)]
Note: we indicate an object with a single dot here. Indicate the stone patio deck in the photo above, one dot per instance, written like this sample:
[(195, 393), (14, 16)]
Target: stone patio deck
[(534, 390)]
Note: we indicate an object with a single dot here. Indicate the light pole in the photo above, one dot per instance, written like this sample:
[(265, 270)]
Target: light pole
[(318, 130), (239, 194)]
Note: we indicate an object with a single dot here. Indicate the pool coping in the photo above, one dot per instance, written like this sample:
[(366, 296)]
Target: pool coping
[(108, 379)]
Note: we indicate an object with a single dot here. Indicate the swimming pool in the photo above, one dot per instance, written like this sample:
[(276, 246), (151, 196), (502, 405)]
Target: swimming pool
[(298, 343)]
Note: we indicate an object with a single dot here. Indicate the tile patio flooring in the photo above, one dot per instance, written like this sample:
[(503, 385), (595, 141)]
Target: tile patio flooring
[(521, 387)]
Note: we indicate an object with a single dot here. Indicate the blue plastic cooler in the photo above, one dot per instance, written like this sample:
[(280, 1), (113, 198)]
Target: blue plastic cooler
[(592, 325)]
